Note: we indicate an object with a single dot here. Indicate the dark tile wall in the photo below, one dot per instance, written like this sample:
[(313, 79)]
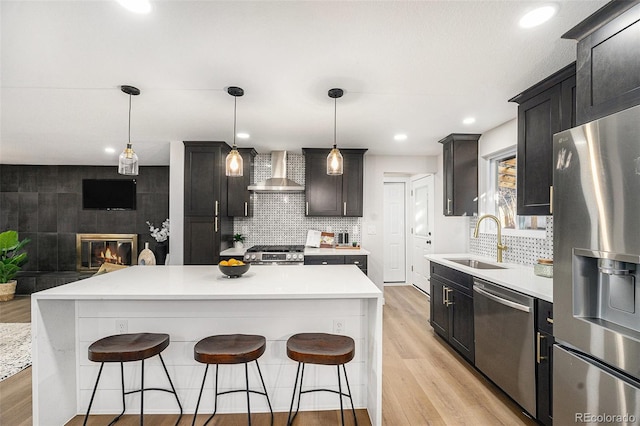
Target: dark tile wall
[(44, 203)]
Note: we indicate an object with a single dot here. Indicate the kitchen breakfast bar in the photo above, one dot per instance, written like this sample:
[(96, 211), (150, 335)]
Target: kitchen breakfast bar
[(192, 302)]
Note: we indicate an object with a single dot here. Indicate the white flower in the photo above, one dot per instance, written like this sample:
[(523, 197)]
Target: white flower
[(159, 234)]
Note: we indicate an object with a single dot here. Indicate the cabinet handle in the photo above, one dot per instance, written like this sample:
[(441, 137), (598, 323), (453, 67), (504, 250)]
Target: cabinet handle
[(551, 199), (538, 357), (216, 209), (344, 209), (448, 206), (216, 224), (444, 296), (549, 320), (324, 263), (356, 262), (449, 302), (307, 208), (246, 208)]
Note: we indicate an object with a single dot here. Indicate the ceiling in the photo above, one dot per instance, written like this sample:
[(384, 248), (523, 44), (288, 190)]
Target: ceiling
[(417, 68)]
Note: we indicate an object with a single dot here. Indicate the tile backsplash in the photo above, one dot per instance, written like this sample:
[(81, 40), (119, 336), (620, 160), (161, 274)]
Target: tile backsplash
[(279, 217), (522, 250)]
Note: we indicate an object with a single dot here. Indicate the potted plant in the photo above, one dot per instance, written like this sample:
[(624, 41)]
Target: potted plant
[(238, 240), (11, 259)]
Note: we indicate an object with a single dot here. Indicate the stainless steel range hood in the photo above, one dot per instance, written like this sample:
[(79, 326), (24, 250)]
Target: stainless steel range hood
[(278, 181)]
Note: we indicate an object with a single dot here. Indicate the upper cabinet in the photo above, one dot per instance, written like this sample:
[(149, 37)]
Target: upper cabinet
[(333, 195), (544, 109), (207, 227), (460, 158), (240, 199), (608, 58)]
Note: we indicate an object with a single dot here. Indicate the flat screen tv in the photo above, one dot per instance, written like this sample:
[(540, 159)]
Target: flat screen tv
[(109, 194)]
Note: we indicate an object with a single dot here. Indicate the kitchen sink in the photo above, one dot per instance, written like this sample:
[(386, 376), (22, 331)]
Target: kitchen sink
[(472, 263)]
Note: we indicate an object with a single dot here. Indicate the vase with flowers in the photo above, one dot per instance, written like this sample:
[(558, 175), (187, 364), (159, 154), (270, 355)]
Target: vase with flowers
[(161, 235)]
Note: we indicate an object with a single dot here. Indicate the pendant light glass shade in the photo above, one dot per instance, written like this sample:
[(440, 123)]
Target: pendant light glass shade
[(128, 160), (335, 162), (234, 165)]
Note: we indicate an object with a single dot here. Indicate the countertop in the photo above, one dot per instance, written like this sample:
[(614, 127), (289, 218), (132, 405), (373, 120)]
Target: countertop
[(204, 282), (308, 251), (515, 277)]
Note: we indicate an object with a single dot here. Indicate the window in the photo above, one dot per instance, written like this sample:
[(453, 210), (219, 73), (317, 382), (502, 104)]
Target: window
[(502, 195)]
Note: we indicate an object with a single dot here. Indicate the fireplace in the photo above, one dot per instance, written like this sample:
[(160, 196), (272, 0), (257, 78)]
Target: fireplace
[(92, 250)]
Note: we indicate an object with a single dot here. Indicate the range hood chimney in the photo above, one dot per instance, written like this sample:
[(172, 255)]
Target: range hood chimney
[(278, 181)]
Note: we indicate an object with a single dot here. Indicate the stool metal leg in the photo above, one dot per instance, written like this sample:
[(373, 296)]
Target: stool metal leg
[(246, 380), (265, 391), (293, 396), (215, 401), (353, 409), (142, 395), (86, 417), (115, 419), (204, 378), (340, 395), (172, 388)]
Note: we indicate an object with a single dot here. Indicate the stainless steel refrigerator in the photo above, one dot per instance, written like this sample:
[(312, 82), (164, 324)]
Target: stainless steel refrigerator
[(596, 283)]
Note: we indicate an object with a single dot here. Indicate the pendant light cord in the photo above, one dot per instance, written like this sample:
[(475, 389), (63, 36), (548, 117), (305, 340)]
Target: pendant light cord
[(235, 104), (335, 119), (129, 119)]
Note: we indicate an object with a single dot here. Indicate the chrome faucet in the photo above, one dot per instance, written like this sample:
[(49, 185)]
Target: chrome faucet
[(499, 236)]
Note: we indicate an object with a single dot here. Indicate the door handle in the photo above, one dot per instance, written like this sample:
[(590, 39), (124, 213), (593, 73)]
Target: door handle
[(216, 225), (307, 208), (551, 199), (538, 357), (344, 209), (449, 302), (246, 208), (428, 241), (216, 209), (448, 205)]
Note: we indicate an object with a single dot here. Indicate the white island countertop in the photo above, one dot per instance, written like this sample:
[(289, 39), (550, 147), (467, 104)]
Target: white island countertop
[(515, 277), (207, 282), (308, 251)]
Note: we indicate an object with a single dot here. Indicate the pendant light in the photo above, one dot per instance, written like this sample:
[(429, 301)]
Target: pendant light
[(128, 160), (334, 159), (234, 163)]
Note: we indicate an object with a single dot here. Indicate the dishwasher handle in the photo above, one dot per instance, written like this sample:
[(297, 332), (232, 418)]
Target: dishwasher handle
[(509, 303)]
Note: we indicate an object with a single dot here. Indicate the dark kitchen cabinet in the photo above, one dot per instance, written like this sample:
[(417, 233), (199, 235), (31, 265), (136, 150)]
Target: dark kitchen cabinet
[(543, 110), (608, 58), (460, 158), (359, 260), (451, 308), (544, 361), (240, 199), (334, 195), (207, 227)]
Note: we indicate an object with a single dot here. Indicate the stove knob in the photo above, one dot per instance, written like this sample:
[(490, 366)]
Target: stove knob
[(253, 257), (295, 257), (246, 257), (288, 257)]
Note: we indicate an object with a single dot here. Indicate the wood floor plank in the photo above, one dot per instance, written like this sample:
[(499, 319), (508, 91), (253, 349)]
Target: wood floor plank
[(424, 382)]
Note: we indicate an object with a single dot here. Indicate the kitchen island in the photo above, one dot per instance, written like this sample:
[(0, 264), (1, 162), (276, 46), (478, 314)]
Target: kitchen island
[(192, 302)]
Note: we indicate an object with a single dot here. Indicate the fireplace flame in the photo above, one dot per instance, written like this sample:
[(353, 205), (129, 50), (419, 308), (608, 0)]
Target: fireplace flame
[(111, 257)]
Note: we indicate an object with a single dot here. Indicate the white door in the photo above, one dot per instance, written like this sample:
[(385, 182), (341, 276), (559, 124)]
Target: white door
[(395, 263), (422, 190)]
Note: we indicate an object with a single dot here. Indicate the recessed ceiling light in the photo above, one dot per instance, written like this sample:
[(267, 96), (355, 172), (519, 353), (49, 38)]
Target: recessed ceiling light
[(400, 137), (538, 16), (110, 150), (469, 120), (242, 135), (136, 6)]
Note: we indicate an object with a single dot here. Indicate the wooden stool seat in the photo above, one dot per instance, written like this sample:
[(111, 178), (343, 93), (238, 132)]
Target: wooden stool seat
[(229, 349), (321, 348), (128, 347)]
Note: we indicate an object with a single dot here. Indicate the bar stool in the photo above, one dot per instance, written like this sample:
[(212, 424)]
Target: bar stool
[(323, 349), (125, 348), (230, 349)]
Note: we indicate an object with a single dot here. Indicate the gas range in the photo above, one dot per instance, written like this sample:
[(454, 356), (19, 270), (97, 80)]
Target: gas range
[(275, 255)]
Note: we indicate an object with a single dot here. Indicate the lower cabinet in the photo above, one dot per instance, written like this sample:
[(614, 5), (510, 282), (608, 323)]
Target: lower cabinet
[(452, 308), (359, 260), (544, 361)]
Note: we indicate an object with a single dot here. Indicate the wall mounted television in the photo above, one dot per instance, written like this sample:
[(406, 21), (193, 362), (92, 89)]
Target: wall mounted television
[(109, 194)]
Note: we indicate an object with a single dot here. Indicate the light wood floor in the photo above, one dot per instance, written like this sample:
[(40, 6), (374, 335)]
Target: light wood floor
[(425, 382)]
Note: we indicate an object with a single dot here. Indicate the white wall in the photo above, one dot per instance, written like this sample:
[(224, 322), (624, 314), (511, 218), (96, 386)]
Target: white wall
[(176, 202), (375, 166)]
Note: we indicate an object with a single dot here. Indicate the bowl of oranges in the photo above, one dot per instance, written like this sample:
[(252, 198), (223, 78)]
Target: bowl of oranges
[(233, 268)]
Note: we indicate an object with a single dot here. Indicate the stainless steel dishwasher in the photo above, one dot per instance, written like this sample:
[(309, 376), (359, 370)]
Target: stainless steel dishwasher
[(504, 340)]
